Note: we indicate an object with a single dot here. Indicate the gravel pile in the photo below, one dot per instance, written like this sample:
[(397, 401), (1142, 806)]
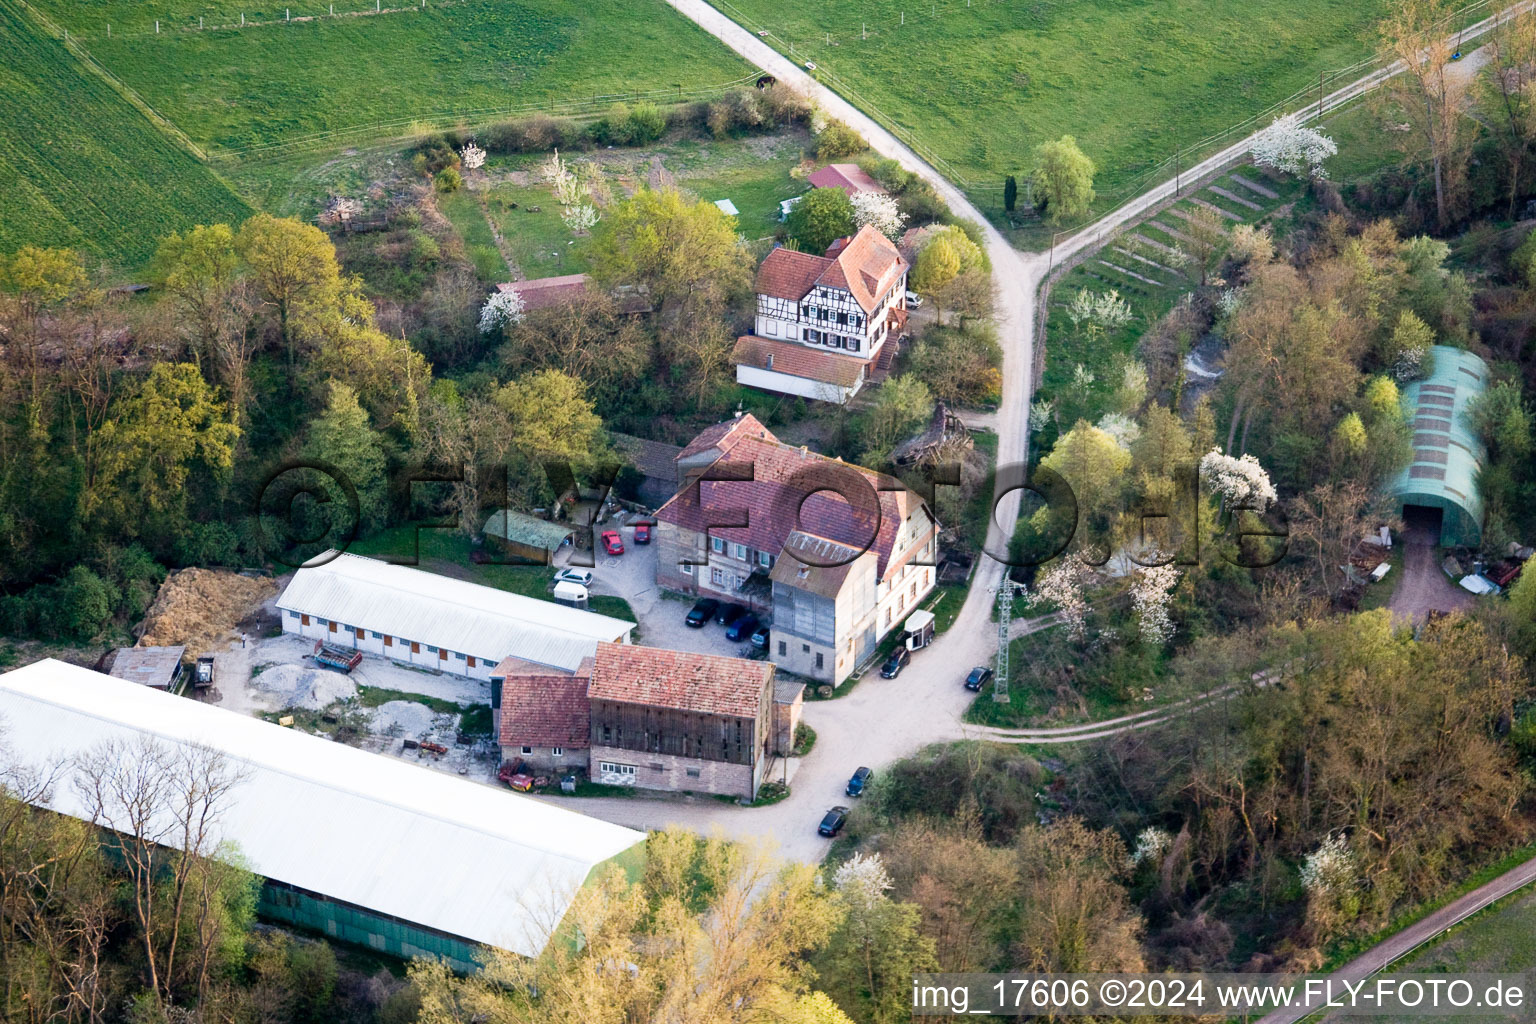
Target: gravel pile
[(296, 686), (408, 719)]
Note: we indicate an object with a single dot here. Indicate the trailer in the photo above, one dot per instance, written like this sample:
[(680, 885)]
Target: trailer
[(917, 631), (339, 658), (203, 673)]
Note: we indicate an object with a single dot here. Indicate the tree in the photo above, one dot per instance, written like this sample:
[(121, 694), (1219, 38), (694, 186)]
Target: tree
[(902, 405), (1502, 420), (1151, 594), (871, 958), (1406, 353), (937, 264), (1094, 464), (548, 415), (1430, 94), (294, 269), (198, 271), (38, 281), (501, 311), (878, 210), (1074, 914), (1293, 149), (1204, 241), (1507, 85), (685, 256), (836, 141), (343, 436), (821, 218), (1010, 193), (1063, 178), (172, 421)]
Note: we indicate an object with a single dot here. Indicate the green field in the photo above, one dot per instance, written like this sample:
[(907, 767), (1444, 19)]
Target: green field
[(1501, 940), (81, 167), (981, 82), (238, 88)]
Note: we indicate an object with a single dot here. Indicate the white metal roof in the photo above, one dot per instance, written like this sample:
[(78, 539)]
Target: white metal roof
[(481, 863), (461, 617)]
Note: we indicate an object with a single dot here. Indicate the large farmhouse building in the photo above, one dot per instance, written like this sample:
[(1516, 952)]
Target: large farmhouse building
[(421, 618), (647, 717), (836, 554), (825, 324), (369, 850)]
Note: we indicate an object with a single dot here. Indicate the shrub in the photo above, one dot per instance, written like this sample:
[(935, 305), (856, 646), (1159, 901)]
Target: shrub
[(448, 180), (647, 123), (433, 154), (615, 128), (837, 141)]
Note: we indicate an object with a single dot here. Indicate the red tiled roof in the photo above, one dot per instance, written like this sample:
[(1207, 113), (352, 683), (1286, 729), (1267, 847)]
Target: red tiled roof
[(546, 709), (702, 683), (790, 490), (723, 435), (787, 274), (848, 177), (798, 360), (543, 292), (865, 265)]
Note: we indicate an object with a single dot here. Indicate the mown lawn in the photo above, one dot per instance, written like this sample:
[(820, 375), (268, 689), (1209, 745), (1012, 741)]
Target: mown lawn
[(982, 82), (463, 211), (237, 88), (81, 167)]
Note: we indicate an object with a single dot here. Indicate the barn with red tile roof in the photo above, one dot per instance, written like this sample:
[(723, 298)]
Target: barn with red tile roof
[(541, 715), (681, 721)]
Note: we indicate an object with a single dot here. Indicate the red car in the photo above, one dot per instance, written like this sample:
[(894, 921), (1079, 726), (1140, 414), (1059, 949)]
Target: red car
[(642, 533), (612, 542)]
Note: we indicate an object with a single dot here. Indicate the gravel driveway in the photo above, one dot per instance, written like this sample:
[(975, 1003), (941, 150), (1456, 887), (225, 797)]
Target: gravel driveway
[(1424, 587)]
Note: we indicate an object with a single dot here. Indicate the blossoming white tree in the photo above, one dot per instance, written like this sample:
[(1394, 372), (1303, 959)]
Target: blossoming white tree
[(862, 881), (1289, 147), (1151, 844), (1240, 482), (473, 157), (566, 188), (1121, 427), (501, 310), (1151, 594), (1101, 311), (879, 211), (580, 218), (1062, 586)]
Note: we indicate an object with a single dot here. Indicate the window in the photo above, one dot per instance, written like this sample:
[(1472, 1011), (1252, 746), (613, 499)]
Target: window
[(765, 560), (912, 591), (717, 545), (887, 616), (692, 773), (805, 648), (294, 615), (739, 551), (322, 622), (611, 768), (819, 659), (557, 751), (376, 634), (431, 649), (527, 750), (781, 648), (687, 568), (853, 344), (459, 657)]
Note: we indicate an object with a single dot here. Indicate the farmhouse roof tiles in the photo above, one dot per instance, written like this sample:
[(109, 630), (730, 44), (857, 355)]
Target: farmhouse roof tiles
[(682, 680), (545, 709), (850, 178), (798, 360)]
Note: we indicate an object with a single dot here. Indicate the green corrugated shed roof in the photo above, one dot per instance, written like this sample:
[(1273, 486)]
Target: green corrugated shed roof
[(1447, 455), (526, 529)]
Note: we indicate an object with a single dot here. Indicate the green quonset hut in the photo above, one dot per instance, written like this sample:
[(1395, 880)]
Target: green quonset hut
[(361, 847), (1441, 481)]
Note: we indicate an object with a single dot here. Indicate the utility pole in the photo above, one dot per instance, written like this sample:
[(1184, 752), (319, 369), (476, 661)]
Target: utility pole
[(1007, 590), (1319, 96)]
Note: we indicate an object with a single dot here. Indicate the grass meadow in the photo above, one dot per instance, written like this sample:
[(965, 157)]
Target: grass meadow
[(982, 82), (234, 88), (81, 167)]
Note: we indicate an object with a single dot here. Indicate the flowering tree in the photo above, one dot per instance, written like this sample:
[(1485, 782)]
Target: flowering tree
[(1121, 427), (1151, 594), (1240, 482), (566, 188), (862, 881), (1287, 146), (878, 210), (1151, 844), (1330, 878), (580, 218), (1101, 311), (1062, 586), (473, 157), (501, 310)]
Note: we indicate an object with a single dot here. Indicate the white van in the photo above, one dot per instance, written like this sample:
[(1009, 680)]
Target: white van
[(567, 592)]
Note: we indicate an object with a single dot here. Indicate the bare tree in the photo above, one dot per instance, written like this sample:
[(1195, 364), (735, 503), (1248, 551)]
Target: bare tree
[(1508, 80), (161, 807), (1432, 96)]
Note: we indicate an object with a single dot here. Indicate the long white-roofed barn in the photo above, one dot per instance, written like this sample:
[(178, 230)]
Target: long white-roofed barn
[(421, 618), (365, 849)]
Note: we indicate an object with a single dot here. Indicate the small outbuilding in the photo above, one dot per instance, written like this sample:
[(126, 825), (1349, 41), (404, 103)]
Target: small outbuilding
[(159, 668), (1440, 484), (526, 537)]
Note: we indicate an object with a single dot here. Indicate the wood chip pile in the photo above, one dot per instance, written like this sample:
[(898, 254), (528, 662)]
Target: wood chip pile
[(201, 608)]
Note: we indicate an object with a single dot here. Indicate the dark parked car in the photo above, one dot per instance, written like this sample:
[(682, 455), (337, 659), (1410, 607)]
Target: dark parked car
[(859, 782), (980, 676), (642, 533), (741, 628), (832, 823), (701, 612), (895, 663), (729, 613), (760, 638)]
